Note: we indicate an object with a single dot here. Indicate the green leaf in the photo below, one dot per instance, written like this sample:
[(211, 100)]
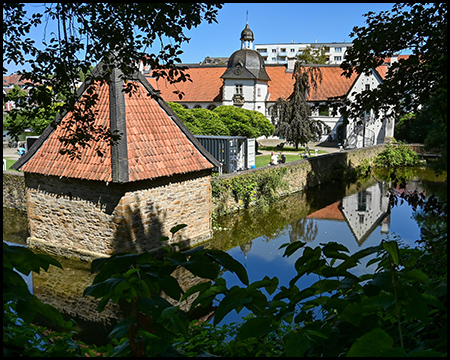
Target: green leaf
[(416, 306), (205, 297), (121, 330), (167, 313), (371, 344), (26, 261), (201, 265), (291, 248), (332, 250), (104, 288), (201, 287), (269, 284), (392, 248), (353, 260), (235, 298), (353, 313), (255, 327), (230, 264), (170, 286), (416, 275), (177, 228), (296, 344)]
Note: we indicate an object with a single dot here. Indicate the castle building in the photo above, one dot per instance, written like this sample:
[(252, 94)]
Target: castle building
[(250, 82)]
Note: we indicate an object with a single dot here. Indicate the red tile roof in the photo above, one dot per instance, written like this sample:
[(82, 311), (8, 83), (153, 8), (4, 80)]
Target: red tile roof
[(10, 80), (330, 212), (156, 146), (207, 86), (48, 161), (156, 143), (333, 83)]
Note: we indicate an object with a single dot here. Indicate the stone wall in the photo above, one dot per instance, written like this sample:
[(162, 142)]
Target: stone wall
[(14, 190), (299, 175), (86, 219)]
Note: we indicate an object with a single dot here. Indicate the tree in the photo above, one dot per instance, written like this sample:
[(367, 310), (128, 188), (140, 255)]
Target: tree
[(200, 121), (293, 116), (22, 117), (116, 33), (244, 122), (313, 55), (224, 121), (410, 84)]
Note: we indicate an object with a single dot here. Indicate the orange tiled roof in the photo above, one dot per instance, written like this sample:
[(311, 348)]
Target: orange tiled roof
[(12, 79), (155, 142), (333, 83), (330, 212), (207, 86)]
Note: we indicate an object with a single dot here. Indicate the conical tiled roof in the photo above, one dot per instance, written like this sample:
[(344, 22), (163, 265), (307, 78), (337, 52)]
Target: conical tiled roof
[(154, 142)]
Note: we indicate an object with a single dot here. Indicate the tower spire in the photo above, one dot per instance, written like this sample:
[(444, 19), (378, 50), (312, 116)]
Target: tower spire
[(247, 37)]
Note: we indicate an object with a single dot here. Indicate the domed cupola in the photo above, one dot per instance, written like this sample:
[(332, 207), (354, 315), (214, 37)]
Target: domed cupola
[(247, 38), (246, 63)]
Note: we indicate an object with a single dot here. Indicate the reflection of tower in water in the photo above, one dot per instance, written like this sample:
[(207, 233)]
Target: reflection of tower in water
[(245, 249)]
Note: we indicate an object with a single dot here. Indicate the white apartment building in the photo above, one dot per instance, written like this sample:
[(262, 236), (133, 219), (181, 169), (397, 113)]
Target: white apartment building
[(280, 53)]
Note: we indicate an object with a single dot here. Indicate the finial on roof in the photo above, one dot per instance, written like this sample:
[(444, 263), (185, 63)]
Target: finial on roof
[(247, 37)]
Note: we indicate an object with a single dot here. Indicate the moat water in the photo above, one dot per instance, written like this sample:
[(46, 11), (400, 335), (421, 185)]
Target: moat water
[(356, 215)]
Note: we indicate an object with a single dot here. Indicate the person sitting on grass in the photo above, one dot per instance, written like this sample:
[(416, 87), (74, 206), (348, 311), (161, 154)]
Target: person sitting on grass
[(282, 158), (273, 159)]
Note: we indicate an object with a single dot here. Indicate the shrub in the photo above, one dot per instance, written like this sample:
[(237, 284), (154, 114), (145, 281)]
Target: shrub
[(396, 155)]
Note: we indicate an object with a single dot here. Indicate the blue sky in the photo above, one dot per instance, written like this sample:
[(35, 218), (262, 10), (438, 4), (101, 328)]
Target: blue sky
[(270, 23), (275, 23)]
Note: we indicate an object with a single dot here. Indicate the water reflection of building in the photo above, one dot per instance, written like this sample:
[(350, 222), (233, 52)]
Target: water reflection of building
[(366, 210), (363, 212)]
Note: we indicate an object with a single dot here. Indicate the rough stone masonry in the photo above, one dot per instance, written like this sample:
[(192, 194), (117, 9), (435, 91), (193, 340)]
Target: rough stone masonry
[(86, 219)]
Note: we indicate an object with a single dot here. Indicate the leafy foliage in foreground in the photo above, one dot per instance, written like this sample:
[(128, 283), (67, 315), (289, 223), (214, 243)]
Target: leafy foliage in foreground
[(399, 309)]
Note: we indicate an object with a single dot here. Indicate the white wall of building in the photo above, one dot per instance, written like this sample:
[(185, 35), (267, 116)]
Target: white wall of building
[(368, 129), (280, 53)]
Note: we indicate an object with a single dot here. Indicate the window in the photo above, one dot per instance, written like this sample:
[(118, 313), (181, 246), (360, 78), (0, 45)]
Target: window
[(367, 87), (274, 50), (258, 91), (292, 50), (337, 58), (324, 110), (362, 200), (239, 89), (337, 49)]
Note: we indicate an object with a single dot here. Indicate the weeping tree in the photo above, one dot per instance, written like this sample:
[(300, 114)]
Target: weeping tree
[(292, 116)]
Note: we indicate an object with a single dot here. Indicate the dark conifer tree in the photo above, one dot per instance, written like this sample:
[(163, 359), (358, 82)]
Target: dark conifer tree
[(292, 116)]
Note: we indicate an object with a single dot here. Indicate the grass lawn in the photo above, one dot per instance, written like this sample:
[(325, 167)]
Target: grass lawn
[(290, 153), (9, 163), (286, 149), (263, 160)]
